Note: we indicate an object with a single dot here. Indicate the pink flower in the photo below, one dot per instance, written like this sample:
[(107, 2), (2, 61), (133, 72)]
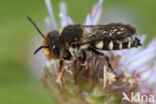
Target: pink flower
[(133, 68)]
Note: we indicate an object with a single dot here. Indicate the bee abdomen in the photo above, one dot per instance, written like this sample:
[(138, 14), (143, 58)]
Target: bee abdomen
[(116, 44)]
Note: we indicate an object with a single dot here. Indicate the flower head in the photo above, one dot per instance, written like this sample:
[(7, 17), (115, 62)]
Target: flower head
[(133, 69)]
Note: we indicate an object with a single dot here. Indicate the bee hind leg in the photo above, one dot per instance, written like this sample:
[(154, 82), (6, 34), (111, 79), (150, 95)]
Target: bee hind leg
[(108, 62), (102, 54), (81, 67), (61, 63)]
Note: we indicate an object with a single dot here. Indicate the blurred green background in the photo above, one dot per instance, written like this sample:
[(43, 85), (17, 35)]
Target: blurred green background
[(17, 84)]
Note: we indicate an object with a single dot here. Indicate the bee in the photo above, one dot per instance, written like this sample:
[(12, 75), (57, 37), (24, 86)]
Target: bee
[(75, 39)]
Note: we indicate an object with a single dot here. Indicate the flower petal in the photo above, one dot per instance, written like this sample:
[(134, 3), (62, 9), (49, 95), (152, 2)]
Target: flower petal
[(97, 10), (70, 21), (150, 75), (48, 26), (65, 20), (143, 38), (88, 20), (63, 12), (141, 58), (153, 43), (51, 13)]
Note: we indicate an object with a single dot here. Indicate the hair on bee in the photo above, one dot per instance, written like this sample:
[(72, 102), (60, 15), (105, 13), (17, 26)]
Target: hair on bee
[(38, 30)]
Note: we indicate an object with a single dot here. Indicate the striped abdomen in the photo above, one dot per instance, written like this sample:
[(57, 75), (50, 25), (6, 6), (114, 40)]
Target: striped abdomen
[(113, 36), (116, 44)]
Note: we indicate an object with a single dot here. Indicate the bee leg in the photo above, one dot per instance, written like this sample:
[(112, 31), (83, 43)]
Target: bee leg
[(108, 62), (96, 52), (61, 63), (81, 67), (102, 54)]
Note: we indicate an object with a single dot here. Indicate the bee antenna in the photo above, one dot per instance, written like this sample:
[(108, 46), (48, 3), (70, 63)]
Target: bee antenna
[(39, 48), (36, 27)]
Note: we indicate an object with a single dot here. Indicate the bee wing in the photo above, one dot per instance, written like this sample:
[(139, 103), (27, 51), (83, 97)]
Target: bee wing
[(112, 31)]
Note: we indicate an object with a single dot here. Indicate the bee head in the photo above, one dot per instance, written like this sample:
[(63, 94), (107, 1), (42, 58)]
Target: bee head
[(54, 45)]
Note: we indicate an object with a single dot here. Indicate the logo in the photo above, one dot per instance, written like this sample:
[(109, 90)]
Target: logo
[(138, 98)]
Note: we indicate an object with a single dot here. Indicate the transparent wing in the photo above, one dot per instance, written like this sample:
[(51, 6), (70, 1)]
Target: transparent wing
[(114, 31)]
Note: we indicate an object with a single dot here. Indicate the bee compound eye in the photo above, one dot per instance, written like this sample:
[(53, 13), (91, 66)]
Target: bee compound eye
[(55, 51)]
